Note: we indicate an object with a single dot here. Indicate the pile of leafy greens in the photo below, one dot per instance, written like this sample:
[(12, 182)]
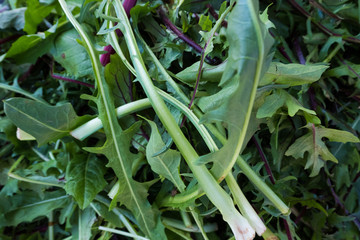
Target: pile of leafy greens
[(179, 119)]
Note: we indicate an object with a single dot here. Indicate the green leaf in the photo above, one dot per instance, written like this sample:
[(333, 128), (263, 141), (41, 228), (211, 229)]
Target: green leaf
[(249, 47), (28, 48), (318, 152), (166, 164), (87, 218), (32, 207), (35, 14), (205, 23), (85, 178), (131, 193), (13, 19), (110, 216), (310, 203), (209, 73), (292, 74), (276, 100), (46, 123), (71, 55)]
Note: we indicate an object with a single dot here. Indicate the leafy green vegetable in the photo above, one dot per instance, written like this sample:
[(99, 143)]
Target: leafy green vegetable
[(85, 179), (313, 143), (34, 118), (165, 164), (265, 97)]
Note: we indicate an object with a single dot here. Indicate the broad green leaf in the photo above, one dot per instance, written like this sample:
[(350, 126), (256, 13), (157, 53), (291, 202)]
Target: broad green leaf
[(32, 207), (249, 47), (13, 19), (292, 74), (313, 144), (166, 164), (71, 55), (209, 73), (35, 14), (44, 122), (276, 100), (85, 178)]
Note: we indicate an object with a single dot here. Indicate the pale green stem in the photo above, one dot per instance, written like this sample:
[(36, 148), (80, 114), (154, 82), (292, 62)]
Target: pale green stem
[(215, 193), (180, 233), (126, 234), (249, 173), (121, 216), (186, 219), (51, 225), (211, 227), (95, 124)]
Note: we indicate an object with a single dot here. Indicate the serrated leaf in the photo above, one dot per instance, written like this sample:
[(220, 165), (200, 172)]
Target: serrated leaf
[(292, 74), (276, 100), (166, 164), (85, 178), (45, 122), (32, 208), (318, 152), (71, 55)]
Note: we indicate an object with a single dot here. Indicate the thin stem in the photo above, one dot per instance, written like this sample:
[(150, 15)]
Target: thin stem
[(250, 174), (181, 35), (263, 158), (211, 227), (122, 233), (95, 124), (51, 225), (298, 51), (214, 192), (287, 229)]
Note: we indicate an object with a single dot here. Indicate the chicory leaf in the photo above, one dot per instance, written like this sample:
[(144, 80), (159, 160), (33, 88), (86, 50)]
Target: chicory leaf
[(318, 152), (249, 48), (166, 164), (44, 122), (85, 178)]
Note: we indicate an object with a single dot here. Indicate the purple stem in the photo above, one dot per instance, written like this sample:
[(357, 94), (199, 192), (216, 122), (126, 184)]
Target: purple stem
[(287, 229), (338, 202), (4, 9), (10, 38), (264, 159), (351, 186), (181, 35), (349, 67), (319, 25), (298, 51), (53, 75), (324, 10), (215, 15)]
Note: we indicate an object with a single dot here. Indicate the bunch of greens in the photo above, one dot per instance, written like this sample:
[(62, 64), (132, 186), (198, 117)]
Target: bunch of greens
[(179, 120)]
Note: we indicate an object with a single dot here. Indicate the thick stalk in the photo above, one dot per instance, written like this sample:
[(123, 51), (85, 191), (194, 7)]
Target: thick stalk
[(215, 193)]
